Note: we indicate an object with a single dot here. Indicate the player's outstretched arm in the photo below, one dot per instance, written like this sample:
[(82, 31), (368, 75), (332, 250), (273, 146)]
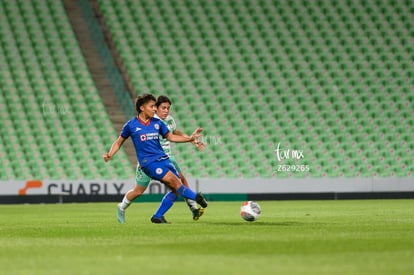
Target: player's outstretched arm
[(180, 133), (178, 138), (200, 145), (114, 148)]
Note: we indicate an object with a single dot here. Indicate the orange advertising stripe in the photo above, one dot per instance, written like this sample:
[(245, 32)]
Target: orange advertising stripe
[(30, 184)]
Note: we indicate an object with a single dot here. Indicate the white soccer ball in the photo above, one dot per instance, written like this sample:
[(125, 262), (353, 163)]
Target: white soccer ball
[(250, 211)]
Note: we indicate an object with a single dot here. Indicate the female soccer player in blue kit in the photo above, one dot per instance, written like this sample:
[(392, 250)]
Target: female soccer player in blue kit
[(145, 130)]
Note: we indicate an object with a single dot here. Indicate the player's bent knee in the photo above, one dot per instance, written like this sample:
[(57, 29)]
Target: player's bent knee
[(171, 180)]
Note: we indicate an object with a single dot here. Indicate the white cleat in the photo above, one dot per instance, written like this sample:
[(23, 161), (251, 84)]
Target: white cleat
[(121, 214)]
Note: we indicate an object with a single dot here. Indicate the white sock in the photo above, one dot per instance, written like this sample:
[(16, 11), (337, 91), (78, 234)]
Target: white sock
[(125, 203), (192, 204)]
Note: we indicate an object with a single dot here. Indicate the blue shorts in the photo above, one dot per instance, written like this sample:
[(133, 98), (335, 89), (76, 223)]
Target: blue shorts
[(158, 169)]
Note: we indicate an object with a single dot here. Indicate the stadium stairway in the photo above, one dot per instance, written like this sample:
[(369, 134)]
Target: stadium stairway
[(88, 42)]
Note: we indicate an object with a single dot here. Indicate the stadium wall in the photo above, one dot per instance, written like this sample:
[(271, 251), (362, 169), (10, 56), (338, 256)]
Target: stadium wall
[(61, 191)]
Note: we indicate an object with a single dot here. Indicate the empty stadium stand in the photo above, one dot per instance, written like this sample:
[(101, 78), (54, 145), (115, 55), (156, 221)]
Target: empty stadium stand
[(329, 83), (53, 123), (332, 79)]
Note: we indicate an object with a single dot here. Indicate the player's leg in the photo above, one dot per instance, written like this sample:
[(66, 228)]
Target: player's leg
[(165, 172), (173, 181), (129, 197), (166, 203), (141, 184), (156, 171), (196, 210)]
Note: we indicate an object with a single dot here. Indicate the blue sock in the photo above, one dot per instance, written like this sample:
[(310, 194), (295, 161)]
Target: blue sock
[(166, 204), (186, 192)]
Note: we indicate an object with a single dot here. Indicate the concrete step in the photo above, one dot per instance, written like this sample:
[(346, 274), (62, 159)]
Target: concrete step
[(97, 70)]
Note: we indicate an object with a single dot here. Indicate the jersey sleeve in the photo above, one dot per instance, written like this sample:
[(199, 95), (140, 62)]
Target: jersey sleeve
[(163, 129), (126, 131), (173, 125)]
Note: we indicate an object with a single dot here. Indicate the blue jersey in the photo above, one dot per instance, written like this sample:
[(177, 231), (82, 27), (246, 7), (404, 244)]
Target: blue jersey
[(145, 137)]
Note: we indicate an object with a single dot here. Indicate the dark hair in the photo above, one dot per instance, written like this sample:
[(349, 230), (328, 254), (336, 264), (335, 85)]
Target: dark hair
[(143, 99), (162, 99)]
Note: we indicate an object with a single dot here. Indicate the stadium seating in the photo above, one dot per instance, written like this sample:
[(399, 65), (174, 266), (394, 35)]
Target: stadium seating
[(333, 79), (53, 123)]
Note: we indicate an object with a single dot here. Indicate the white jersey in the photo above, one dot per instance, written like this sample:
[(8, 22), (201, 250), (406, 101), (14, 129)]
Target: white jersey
[(165, 143)]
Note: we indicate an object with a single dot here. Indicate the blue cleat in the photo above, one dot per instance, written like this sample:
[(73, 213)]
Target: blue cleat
[(158, 220)]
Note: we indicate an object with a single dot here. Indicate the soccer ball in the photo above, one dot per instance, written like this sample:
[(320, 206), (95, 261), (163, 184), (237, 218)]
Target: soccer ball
[(250, 211)]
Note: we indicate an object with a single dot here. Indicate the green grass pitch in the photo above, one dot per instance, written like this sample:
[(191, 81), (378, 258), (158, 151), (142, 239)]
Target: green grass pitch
[(291, 237)]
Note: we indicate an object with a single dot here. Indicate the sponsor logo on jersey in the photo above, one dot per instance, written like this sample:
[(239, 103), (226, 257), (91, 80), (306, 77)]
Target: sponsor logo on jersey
[(148, 136)]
